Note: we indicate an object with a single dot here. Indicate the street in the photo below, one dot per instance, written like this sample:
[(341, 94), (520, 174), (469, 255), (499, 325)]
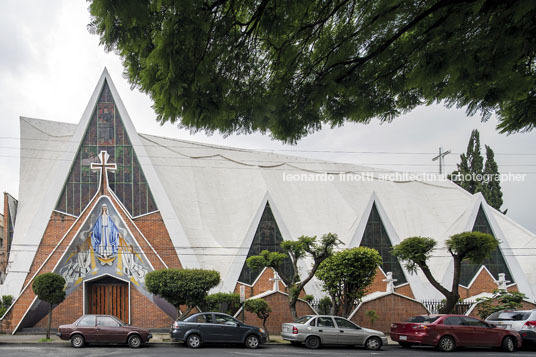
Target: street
[(44, 350)]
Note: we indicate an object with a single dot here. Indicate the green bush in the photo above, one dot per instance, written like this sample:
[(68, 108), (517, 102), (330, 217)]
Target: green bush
[(324, 305)]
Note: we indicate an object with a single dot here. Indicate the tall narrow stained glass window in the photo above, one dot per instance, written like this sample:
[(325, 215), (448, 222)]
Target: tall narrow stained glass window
[(375, 236), (267, 237), (495, 263), (106, 132)]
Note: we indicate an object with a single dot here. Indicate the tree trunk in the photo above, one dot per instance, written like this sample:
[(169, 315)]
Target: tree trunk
[(292, 305), (265, 329), (451, 302), (49, 320)]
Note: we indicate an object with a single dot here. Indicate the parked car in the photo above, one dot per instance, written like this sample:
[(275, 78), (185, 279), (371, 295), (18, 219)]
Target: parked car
[(317, 330), (209, 327), (103, 329), (447, 332), (522, 321)]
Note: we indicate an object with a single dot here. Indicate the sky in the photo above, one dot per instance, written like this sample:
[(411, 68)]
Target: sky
[(50, 65)]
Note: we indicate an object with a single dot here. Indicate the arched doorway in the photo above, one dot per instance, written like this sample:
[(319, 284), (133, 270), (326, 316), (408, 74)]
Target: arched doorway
[(108, 295)]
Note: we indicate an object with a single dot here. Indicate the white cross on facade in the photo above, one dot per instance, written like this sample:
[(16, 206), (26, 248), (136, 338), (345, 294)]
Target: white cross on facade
[(276, 279), (390, 288), (103, 167), (501, 283)]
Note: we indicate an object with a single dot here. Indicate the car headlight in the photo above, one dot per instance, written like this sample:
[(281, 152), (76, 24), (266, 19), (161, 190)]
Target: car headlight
[(262, 330)]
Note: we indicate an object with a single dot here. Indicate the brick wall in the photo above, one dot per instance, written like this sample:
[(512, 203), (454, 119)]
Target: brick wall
[(280, 314), (484, 282), (61, 225), (390, 308)]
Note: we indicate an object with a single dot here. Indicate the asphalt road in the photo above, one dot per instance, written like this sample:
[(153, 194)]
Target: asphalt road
[(43, 350)]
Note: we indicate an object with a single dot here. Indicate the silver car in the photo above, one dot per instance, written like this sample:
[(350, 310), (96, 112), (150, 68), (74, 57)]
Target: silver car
[(316, 330), (522, 321)]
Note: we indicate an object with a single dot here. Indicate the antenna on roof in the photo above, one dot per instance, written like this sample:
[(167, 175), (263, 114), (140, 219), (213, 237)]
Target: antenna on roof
[(441, 158)]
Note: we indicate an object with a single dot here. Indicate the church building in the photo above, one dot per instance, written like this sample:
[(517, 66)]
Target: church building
[(103, 205)]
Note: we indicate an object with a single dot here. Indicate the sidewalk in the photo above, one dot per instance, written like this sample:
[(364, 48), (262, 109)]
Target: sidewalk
[(157, 338)]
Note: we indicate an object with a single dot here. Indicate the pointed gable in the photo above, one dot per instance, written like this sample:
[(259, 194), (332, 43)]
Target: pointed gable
[(495, 263), (106, 132), (375, 236), (267, 237)]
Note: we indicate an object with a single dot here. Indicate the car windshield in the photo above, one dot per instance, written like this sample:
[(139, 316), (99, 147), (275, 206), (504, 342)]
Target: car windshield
[(303, 319), (422, 319), (509, 316)]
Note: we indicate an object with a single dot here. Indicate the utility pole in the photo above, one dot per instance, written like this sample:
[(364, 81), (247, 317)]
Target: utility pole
[(441, 158)]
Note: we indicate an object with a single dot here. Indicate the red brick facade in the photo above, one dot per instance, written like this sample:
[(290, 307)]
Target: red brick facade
[(280, 314), (390, 308), (60, 226), (483, 283)]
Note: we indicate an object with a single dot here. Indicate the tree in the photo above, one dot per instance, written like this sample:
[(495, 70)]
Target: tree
[(346, 275), (324, 305), (475, 176), (291, 67), (492, 188), (296, 250), (223, 302), (473, 247), (372, 315), (501, 300), (49, 288), (5, 303), (261, 308), (182, 286)]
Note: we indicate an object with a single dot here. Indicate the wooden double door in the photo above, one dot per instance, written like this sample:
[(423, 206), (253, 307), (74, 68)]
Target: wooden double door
[(109, 299)]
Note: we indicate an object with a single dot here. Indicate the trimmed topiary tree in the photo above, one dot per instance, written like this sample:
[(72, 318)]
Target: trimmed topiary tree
[(222, 302), (182, 286), (261, 308), (49, 288)]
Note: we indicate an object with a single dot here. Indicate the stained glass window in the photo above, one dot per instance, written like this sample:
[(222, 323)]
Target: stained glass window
[(106, 132), (494, 263), (376, 237), (267, 237)]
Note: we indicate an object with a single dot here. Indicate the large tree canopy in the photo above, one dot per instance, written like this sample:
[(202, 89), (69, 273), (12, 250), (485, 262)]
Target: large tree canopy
[(288, 67)]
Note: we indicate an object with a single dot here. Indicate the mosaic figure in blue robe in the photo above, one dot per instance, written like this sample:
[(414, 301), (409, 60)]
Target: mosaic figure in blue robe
[(105, 237)]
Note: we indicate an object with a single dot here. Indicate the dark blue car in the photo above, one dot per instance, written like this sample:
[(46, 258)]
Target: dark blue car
[(209, 327)]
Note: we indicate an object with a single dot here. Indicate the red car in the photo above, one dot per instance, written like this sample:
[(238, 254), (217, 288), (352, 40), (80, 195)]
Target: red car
[(450, 331), (102, 329)]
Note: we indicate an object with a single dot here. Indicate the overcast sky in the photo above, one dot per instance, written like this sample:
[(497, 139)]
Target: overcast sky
[(50, 64)]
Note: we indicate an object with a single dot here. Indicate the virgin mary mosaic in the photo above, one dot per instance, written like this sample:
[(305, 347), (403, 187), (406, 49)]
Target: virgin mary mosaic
[(103, 246)]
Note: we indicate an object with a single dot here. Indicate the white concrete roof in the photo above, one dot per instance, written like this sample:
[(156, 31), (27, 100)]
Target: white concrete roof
[(212, 197)]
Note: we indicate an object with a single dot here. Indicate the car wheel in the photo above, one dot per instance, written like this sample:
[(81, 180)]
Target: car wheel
[(295, 343), (312, 342), (509, 344), (405, 344), (446, 344), (252, 341), (193, 341), (77, 341), (134, 341), (373, 343)]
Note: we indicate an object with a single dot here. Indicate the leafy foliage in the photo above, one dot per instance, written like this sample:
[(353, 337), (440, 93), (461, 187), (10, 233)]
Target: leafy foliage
[(260, 308), (346, 275), (475, 176), (414, 251), (324, 305), (182, 286), (49, 288), (309, 298), (295, 250), (501, 300), (5, 303), (223, 302), (470, 246), (291, 67), (372, 315)]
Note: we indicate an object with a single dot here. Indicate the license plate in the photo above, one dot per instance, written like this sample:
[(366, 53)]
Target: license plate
[(402, 338)]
